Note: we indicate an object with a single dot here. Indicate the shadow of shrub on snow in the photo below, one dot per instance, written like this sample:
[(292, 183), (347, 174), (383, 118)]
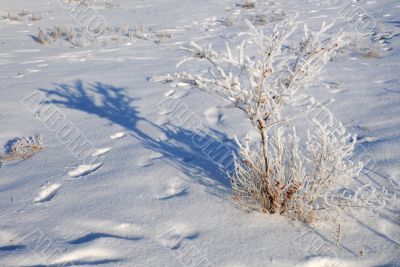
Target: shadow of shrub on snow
[(204, 155)]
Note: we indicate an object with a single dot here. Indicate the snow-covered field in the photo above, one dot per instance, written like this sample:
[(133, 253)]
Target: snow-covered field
[(120, 182)]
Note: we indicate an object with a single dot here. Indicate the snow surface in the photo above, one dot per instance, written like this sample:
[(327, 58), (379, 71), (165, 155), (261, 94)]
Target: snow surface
[(147, 195)]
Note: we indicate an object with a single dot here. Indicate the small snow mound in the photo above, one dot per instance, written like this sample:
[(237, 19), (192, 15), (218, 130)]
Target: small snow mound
[(173, 189), (176, 234)]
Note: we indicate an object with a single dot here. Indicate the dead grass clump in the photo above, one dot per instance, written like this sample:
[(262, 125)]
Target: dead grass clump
[(62, 32), (249, 4), (229, 20), (110, 4), (337, 235), (23, 13), (77, 37), (22, 148), (82, 2), (35, 18), (162, 36), (138, 32), (41, 37), (12, 17), (370, 52), (269, 17)]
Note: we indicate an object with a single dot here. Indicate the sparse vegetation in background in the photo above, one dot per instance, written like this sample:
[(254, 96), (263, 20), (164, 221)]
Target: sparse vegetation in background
[(371, 52), (24, 13), (22, 148), (280, 174), (164, 35), (104, 3), (22, 16), (12, 17), (229, 20), (269, 17), (260, 18), (110, 4), (147, 34), (81, 2), (76, 37), (35, 17), (139, 32), (80, 37), (365, 47)]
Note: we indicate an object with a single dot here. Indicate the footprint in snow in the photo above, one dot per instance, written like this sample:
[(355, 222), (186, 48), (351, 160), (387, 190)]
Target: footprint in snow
[(179, 94), (173, 189), (147, 161), (101, 151), (47, 193), (162, 137), (164, 112), (92, 230), (213, 116), (162, 120), (117, 135), (10, 241), (87, 256), (84, 169), (175, 235), (169, 93)]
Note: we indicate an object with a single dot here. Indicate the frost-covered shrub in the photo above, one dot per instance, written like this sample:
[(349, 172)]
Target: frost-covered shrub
[(297, 181), (280, 175)]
